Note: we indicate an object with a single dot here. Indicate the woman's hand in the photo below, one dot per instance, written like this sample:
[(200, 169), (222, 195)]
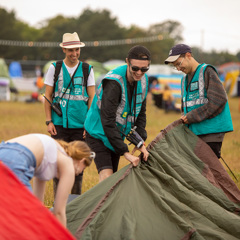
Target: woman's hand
[(66, 176)]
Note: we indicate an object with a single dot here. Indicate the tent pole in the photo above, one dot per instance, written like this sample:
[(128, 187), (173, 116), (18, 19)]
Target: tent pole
[(229, 169)]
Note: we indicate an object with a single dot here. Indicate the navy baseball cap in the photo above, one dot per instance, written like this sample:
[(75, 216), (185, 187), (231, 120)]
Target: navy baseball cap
[(176, 51)]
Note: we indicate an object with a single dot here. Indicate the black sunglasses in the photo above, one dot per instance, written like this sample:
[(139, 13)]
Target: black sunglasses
[(143, 69)]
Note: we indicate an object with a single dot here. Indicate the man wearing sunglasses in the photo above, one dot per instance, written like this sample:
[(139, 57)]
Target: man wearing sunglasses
[(119, 106), (204, 100)]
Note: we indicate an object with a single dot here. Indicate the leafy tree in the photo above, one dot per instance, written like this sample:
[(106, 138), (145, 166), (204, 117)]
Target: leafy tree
[(96, 26), (100, 26), (170, 33), (168, 29), (53, 32), (215, 58), (238, 56), (8, 31)]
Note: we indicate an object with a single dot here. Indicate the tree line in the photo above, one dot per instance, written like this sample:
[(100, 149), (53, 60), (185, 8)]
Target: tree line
[(96, 25)]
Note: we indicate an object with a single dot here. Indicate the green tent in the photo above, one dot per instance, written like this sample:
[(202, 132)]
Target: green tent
[(5, 81), (47, 65), (99, 70), (181, 192), (113, 63), (3, 69)]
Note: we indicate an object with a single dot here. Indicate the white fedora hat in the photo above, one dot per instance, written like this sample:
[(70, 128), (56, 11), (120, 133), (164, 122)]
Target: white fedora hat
[(71, 40)]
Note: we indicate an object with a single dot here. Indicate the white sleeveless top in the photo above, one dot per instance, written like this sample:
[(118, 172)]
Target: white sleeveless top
[(47, 170)]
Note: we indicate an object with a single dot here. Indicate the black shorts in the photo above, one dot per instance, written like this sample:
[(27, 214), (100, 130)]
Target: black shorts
[(68, 134), (105, 158), (216, 147)]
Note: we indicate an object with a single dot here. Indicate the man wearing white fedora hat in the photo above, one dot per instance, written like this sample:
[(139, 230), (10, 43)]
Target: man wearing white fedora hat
[(70, 88)]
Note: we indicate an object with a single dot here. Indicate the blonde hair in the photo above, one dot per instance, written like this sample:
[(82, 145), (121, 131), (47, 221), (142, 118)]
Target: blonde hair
[(77, 150)]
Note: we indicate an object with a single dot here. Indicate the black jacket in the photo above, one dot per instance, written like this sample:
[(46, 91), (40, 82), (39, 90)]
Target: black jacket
[(111, 98)]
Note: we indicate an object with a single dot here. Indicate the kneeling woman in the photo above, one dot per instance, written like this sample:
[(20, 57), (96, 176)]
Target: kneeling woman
[(41, 156)]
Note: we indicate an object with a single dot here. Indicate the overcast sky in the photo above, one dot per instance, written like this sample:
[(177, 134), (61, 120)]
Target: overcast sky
[(210, 24)]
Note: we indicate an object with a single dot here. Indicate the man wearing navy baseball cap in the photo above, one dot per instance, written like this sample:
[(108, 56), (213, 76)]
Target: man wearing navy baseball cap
[(176, 52), (205, 107)]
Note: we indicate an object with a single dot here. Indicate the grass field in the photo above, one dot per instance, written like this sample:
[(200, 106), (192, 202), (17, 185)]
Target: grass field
[(18, 118)]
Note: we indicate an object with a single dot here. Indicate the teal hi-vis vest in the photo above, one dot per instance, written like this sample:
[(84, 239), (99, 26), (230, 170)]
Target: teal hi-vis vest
[(195, 96), (74, 103), (124, 115)]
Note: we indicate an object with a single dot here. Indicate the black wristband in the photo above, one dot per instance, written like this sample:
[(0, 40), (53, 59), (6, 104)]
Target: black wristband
[(47, 122)]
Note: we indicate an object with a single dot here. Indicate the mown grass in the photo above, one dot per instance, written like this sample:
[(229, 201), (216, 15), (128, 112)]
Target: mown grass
[(19, 118)]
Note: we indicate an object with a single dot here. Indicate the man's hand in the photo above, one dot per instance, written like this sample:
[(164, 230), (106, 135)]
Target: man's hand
[(142, 150), (184, 119), (132, 159), (51, 129), (84, 134), (135, 160)]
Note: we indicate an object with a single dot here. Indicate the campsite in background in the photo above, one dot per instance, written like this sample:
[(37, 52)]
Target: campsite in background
[(160, 78), (175, 179), (183, 192)]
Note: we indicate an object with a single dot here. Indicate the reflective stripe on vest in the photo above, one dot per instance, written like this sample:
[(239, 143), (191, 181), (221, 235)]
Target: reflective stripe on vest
[(202, 99), (121, 106), (67, 95)]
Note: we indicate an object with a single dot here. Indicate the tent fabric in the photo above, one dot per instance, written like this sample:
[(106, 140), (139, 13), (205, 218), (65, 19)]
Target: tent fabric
[(231, 83), (113, 63), (3, 69), (181, 192), (22, 215), (98, 68), (47, 65), (15, 70), (172, 80), (228, 67)]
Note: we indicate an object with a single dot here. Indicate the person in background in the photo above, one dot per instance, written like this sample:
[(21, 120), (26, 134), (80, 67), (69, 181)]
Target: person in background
[(40, 83), (41, 156), (167, 99), (72, 96), (156, 91), (205, 108), (169, 103), (118, 106)]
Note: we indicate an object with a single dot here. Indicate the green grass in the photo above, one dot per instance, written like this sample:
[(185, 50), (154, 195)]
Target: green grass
[(18, 118)]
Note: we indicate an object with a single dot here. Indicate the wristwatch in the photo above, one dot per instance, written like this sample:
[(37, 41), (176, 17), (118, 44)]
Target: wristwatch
[(47, 122)]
